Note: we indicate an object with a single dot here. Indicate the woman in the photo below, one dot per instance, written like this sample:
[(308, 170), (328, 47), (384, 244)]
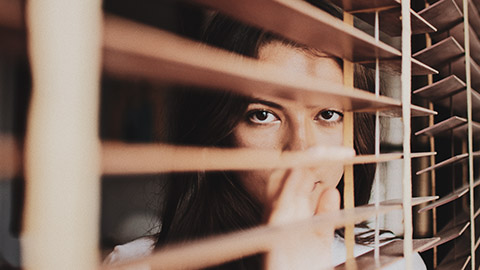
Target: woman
[(208, 203)]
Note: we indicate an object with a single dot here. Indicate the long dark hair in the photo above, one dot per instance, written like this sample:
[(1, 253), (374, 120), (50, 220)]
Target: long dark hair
[(207, 203)]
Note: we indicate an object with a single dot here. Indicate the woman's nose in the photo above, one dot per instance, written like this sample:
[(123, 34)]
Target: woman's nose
[(300, 135)]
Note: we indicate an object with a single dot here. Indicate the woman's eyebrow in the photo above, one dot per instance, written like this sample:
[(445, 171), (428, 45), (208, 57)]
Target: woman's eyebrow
[(268, 103)]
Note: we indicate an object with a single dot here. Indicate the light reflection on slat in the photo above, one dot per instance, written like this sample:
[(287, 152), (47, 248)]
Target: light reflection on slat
[(415, 201)]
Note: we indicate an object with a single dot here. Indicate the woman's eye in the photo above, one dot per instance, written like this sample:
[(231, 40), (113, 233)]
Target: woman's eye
[(262, 117), (330, 116)]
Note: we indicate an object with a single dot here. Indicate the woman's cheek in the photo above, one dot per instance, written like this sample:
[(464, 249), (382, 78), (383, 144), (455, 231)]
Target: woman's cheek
[(255, 182)]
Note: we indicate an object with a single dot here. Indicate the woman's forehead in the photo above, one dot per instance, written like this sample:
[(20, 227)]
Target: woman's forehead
[(297, 60), (297, 101), (293, 60)]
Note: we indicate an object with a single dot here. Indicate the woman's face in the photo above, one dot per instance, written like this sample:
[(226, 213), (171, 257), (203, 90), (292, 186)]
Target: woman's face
[(283, 125)]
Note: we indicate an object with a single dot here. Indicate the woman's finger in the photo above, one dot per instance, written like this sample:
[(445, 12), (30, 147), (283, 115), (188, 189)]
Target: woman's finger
[(292, 199)]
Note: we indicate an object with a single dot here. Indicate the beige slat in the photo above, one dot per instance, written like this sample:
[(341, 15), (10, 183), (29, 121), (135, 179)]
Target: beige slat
[(457, 68), (457, 33), (473, 16), (362, 5), (455, 124), (440, 53), (62, 148), (391, 23), (458, 263), (393, 66), (462, 241), (449, 234), (458, 193), (442, 14), (306, 25), (389, 253), (459, 106), (148, 158), (442, 126), (416, 111), (441, 88), (218, 249), (449, 161), (415, 201), (121, 158)]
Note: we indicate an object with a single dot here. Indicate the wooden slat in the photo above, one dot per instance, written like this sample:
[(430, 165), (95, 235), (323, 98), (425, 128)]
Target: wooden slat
[(363, 5), (394, 66), (449, 161), (415, 201), (61, 215), (442, 14), (440, 53), (457, 33), (416, 111), (121, 158), (457, 125), (462, 241), (391, 23), (148, 158), (450, 234), (458, 104), (458, 193), (217, 249), (440, 89), (458, 263), (389, 253), (135, 50), (307, 25), (457, 68), (473, 16), (442, 126)]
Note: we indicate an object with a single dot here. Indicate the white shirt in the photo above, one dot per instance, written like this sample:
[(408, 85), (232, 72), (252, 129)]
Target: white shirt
[(144, 246)]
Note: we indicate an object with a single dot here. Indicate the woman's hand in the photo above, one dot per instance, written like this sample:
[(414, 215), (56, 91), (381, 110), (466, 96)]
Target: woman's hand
[(295, 196)]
